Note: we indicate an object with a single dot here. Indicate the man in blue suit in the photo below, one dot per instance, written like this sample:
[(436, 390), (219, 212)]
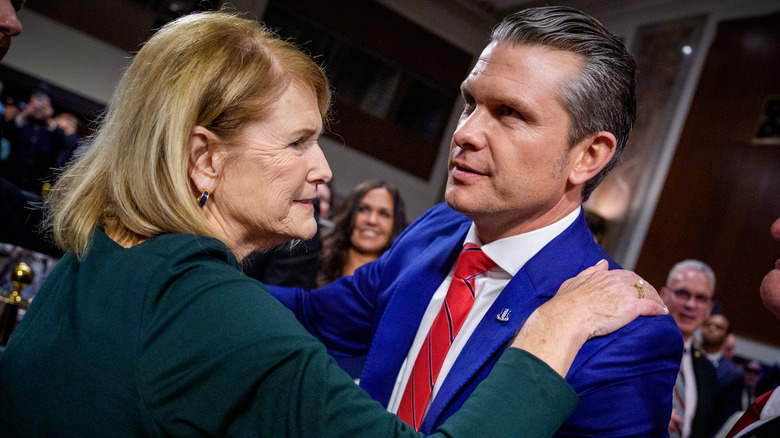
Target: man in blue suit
[(548, 109)]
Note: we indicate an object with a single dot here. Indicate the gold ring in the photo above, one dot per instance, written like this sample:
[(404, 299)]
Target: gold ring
[(640, 286)]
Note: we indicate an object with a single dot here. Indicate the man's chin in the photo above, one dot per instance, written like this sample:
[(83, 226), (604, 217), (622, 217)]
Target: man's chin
[(458, 197), (456, 201)]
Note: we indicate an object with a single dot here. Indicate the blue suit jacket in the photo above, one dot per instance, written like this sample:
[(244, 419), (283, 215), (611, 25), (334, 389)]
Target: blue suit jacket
[(624, 380)]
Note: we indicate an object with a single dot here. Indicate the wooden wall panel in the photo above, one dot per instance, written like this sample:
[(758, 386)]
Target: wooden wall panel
[(723, 192)]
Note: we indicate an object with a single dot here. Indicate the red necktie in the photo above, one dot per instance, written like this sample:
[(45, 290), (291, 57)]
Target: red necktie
[(750, 416), (457, 304)]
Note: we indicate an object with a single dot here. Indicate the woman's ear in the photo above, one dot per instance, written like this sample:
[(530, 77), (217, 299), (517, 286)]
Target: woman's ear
[(594, 154), (205, 159)]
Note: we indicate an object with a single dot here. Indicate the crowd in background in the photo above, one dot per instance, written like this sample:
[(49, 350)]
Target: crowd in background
[(35, 142)]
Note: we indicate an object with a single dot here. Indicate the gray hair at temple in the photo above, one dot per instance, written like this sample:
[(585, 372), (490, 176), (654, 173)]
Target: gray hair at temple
[(602, 97), (693, 265)]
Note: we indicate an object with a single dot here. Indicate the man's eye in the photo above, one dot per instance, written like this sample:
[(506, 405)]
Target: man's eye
[(508, 111), (469, 101)]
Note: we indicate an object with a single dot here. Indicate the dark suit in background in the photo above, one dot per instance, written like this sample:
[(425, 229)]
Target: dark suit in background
[(292, 264), (705, 421)]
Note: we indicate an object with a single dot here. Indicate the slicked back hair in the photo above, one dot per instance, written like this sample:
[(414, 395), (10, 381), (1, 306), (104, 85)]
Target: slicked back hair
[(602, 96)]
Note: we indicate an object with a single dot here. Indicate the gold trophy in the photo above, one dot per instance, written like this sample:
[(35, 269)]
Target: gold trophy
[(21, 277)]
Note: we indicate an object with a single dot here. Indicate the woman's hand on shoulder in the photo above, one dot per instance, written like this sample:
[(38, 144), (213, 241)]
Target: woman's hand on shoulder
[(606, 300), (594, 303)]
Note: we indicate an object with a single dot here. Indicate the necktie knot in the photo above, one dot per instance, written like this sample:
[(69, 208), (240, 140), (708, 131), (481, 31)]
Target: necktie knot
[(471, 261)]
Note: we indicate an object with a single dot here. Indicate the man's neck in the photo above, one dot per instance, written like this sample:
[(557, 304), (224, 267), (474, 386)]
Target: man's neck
[(710, 348), (491, 227)]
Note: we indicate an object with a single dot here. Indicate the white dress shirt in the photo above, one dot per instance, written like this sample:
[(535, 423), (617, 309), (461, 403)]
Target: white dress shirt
[(509, 254)]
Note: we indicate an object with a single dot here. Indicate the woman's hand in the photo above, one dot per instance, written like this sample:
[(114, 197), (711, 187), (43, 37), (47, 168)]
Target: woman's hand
[(594, 303)]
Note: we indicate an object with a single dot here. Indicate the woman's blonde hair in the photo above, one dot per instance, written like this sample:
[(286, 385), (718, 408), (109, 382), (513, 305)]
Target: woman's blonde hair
[(211, 69)]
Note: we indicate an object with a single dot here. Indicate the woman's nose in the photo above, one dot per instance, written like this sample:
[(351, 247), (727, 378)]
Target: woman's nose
[(320, 172)]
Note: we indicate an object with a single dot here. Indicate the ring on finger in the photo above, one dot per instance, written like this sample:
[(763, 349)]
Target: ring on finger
[(640, 286)]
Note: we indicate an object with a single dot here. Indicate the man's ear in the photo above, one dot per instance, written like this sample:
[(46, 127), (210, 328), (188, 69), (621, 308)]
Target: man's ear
[(664, 292), (595, 151), (205, 159)]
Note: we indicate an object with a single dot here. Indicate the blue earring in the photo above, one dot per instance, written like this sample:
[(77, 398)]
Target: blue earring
[(203, 198)]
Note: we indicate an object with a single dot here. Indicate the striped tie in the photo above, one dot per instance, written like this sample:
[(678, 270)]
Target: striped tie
[(457, 304), (678, 397), (679, 394)]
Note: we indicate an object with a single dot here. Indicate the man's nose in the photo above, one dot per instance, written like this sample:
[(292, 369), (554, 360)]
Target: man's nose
[(9, 22)]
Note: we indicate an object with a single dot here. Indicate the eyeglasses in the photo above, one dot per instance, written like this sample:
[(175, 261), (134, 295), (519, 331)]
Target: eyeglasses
[(684, 295)]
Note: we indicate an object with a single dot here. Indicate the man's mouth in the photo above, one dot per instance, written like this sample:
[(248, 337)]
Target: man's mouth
[(463, 167), (464, 173)]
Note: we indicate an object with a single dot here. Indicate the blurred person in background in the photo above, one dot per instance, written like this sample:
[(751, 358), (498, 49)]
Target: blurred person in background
[(762, 419), (68, 124), (688, 293), (714, 332), (19, 219), (9, 23), (364, 227)]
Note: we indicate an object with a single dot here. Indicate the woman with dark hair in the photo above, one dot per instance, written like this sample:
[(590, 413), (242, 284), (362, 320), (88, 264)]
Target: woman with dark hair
[(365, 225)]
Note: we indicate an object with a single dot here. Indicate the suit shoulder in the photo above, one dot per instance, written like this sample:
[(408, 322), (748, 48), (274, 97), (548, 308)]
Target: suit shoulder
[(656, 336), (439, 218), (661, 328)]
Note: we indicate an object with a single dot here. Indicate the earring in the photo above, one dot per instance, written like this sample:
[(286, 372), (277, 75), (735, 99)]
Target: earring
[(203, 198)]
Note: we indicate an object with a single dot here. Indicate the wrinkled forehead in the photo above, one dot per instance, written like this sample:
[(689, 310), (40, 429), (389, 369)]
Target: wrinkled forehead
[(523, 57), (516, 72)]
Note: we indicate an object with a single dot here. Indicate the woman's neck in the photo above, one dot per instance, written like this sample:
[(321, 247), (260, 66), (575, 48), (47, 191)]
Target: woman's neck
[(123, 237), (356, 259)]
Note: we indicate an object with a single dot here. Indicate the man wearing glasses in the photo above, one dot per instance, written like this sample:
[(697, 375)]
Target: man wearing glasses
[(688, 295)]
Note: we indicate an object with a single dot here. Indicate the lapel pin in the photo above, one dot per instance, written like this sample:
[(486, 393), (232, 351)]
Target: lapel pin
[(503, 316)]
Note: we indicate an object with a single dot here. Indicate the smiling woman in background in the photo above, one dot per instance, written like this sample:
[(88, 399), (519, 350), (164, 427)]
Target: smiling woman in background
[(365, 225), (147, 326)]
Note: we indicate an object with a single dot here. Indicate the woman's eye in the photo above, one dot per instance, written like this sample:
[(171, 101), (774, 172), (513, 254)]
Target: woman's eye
[(296, 143)]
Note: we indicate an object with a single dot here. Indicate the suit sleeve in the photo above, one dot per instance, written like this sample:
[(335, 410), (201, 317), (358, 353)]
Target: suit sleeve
[(344, 314), (625, 381), (340, 314)]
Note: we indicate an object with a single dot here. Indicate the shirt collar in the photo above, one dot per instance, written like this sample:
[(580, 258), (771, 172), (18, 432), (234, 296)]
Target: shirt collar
[(714, 357), (687, 345), (511, 253)]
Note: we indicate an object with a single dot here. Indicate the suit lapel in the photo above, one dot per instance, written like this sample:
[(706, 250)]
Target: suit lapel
[(532, 286), (400, 321), (489, 339)]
